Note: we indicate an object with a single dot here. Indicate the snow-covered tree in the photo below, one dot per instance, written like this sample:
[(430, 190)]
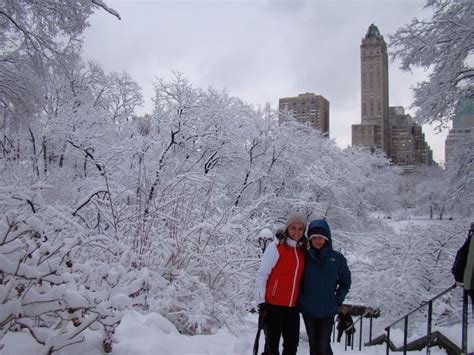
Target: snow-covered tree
[(120, 97), (443, 45), (460, 174), (407, 265), (430, 193), (36, 37)]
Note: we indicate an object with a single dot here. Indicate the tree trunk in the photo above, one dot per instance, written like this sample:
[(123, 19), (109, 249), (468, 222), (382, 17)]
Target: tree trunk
[(45, 156), (61, 157), (35, 157)]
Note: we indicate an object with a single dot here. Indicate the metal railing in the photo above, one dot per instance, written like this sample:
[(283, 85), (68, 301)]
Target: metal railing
[(368, 313), (429, 334), (358, 320), (431, 338)]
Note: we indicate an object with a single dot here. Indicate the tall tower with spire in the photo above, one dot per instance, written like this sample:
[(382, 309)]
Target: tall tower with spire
[(373, 129)]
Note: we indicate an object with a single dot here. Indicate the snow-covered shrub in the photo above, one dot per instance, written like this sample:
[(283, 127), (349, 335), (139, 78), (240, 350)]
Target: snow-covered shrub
[(206, 278), (44, 287)]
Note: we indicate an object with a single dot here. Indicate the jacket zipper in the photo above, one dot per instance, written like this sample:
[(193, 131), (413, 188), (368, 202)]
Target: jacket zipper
[(294, 278), (274, 288)]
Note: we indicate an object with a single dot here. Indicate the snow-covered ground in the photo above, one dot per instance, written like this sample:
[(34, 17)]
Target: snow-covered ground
[(141, 334)]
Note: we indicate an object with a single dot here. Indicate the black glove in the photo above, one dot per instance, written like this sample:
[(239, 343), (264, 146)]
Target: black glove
[(262, 315)]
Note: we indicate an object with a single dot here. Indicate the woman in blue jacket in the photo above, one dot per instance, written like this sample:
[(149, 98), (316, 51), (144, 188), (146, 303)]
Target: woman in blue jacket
[(325, 284)]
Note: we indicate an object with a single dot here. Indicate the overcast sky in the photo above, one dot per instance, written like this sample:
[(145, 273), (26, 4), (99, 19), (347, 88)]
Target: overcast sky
[(258, 50)]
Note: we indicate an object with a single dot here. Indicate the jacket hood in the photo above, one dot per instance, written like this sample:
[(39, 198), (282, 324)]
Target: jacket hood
[(321, 224)]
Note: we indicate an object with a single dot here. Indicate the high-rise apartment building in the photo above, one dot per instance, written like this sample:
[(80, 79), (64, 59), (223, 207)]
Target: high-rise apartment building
[(423, 152), (463, 129), (407, 143), (464, 117), (306, 108), (373, 129), (402, 141)]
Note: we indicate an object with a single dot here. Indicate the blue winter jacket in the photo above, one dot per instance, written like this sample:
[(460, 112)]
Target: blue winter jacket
[(326, 279)]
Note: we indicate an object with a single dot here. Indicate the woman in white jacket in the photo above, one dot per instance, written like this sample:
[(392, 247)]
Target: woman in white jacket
[(277, 286)]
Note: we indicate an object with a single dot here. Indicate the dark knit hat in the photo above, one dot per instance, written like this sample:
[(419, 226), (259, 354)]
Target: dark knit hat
[(317, 231)]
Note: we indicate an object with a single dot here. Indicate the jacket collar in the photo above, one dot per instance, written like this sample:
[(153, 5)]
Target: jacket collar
[(323, 252), (292, 243)]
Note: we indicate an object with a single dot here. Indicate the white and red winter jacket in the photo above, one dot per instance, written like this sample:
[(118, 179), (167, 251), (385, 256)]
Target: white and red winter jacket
[(279, 276)]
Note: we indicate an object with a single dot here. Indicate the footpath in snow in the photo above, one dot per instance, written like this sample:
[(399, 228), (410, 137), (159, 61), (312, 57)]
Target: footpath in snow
[(151, 334)]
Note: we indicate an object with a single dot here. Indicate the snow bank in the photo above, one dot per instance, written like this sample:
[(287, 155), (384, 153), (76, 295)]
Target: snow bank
[(144, 334), (147, 334)]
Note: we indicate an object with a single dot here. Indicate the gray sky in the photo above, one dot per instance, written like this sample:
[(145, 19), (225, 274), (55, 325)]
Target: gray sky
[(259, 50)]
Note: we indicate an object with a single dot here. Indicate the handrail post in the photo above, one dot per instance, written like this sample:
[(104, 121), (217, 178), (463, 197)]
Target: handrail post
[(370, 329), (405, 336), (428, 335), (351, 338), (464, 322), (388, 340), (333, 332), (360, 335)]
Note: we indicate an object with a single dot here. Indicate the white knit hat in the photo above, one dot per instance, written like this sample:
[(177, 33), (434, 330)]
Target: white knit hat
[(296, 215), (317, 235), (316, 230)]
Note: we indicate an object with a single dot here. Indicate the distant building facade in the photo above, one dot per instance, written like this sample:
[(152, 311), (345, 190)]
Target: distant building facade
[(383, 127), (463, 128), (407, 143), (423, 152), (306, 108), (374, 126), (402, 141)]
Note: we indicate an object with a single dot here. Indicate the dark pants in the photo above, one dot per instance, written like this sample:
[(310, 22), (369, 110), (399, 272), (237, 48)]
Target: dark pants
[(349, 336), (339, 334), (282, 321), (319, 335)]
